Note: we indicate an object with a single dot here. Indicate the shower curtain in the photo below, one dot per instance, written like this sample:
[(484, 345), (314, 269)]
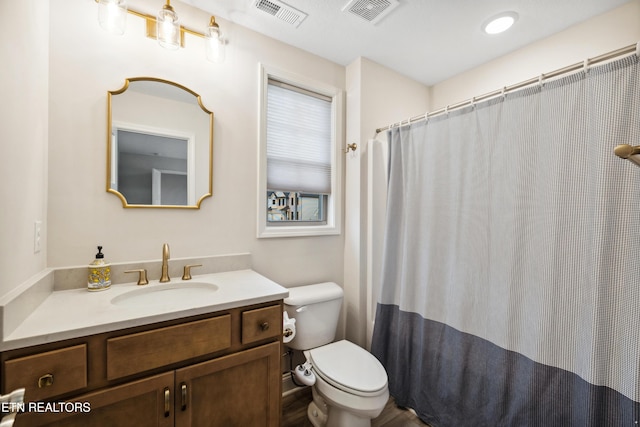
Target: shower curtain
[(511, 269)]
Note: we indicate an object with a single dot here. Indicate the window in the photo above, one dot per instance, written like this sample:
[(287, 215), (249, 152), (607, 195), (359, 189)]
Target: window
[(294, 207), (299, 162)]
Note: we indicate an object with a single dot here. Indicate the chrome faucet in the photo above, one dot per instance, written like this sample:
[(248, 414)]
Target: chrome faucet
[(165, 264)]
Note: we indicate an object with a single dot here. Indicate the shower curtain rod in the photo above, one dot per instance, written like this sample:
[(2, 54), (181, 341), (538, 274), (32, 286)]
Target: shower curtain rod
[(633, 48)]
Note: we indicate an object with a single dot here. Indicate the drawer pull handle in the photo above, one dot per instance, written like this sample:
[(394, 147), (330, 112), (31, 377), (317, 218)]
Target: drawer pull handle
[(167, 402), (45, 381), (264, 326), (183, 390)]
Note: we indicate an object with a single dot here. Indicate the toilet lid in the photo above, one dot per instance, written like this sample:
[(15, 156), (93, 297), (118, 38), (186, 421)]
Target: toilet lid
[(349, 367)]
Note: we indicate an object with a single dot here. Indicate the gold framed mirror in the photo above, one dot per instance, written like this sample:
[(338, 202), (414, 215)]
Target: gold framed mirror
[(159, 145)]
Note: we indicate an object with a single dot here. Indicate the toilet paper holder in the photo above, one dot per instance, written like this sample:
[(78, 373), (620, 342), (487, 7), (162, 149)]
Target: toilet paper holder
[(288, 327)]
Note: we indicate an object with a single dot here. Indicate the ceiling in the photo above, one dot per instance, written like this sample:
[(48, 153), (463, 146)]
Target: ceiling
[(426, 40)]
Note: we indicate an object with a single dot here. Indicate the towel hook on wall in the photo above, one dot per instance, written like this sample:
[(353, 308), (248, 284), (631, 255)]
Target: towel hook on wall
[(351, 147)]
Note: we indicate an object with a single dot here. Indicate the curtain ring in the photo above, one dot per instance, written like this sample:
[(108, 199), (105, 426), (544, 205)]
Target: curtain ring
[(541, 80), (585, 66), (638, 49)]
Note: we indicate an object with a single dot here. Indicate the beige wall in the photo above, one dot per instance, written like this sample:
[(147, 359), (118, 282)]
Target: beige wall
[(86, 62), (376, 96), (23, 138), (607, 32)]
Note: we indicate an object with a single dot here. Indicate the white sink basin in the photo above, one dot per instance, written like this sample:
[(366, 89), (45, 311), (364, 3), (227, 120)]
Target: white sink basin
[(184, 293)]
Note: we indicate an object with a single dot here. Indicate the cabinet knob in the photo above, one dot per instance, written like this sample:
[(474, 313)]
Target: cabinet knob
[(264, 326), (45, 381)]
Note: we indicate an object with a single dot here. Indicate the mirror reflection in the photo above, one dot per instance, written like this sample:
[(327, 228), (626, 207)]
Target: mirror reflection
[(160, 140)]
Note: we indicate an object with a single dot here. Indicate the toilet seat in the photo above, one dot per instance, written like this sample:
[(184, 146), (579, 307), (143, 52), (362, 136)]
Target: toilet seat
[(350, 368)]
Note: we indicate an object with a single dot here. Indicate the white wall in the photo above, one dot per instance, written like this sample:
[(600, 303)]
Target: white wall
[(24, 110), (607, 32), (86, 62)]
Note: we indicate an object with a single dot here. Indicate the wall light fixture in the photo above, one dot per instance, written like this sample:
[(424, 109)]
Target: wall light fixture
[(165, 27), (168, 27), (214, 42)]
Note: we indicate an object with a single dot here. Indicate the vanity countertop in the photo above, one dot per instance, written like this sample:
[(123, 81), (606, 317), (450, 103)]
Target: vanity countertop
[(74, 313)]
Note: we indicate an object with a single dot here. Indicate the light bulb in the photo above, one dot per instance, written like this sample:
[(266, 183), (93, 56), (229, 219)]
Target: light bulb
[(112, 15), (214, 42), (168, 28)]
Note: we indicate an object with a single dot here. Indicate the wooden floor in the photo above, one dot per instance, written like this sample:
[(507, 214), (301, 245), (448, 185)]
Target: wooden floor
[(294, 413)]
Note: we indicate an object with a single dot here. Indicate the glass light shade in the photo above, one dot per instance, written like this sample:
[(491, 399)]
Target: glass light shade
[(112, 15), (214, 43), (168, 28)]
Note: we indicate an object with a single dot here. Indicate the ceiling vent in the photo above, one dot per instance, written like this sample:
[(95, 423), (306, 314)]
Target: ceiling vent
[(370, 10), (281, 11)]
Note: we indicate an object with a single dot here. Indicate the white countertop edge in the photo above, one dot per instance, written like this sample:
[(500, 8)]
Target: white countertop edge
[(40, 327)]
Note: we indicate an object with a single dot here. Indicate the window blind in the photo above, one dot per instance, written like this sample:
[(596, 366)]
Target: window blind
[(298, 140)]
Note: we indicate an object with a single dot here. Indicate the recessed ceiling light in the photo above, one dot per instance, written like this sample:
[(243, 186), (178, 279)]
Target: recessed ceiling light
[(499, 23)]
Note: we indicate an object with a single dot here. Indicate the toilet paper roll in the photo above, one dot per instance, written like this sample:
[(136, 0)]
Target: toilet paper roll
[(288, 328)]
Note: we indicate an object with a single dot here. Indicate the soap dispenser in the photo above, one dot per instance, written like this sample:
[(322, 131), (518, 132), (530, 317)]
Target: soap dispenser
[(99, 273)]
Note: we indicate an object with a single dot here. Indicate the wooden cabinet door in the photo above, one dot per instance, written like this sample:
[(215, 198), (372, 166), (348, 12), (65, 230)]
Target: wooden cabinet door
[(242, 389), (143, 403)]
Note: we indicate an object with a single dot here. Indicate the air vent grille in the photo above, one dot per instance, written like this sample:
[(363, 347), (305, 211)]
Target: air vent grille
[(281, 11), (370, 10), (267, 6)]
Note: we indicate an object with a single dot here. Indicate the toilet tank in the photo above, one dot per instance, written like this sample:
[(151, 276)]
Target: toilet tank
[(316, 309)]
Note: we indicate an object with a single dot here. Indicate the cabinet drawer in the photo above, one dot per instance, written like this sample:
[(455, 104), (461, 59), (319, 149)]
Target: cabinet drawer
[(131, 354), (261, 323), (49, 374)]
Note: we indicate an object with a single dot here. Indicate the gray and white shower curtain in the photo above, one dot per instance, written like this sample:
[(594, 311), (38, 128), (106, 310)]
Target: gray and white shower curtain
[(511, 269)]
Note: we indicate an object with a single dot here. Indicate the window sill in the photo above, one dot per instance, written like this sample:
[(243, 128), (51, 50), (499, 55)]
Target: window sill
[(298, 231)]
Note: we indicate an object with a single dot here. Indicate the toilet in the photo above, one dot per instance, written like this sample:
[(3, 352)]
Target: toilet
[(350, 385)]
